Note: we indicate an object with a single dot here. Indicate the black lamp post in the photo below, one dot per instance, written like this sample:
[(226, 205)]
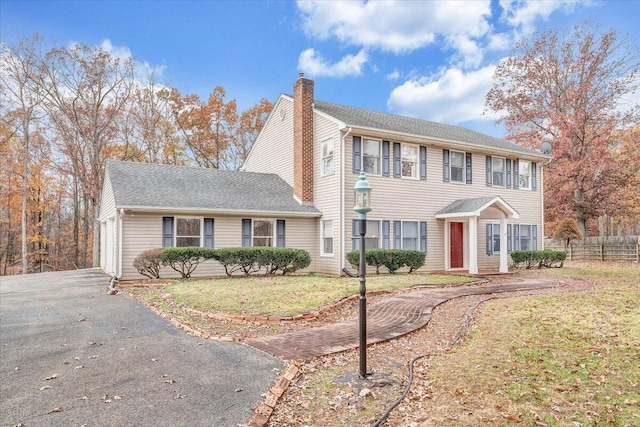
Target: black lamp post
[(362, 205)]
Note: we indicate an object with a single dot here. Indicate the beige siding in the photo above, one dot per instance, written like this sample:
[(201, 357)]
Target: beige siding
[(326, 192), (107, 200), (405, 199), (144, 231), (273, 150)]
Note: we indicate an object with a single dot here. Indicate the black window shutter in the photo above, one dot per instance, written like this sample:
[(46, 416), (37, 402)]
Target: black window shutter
[(385, 158), (246, 232), (386, 238), (355, 240), (208, 232), (489, 175), (423, 236), (469, 169), (534, 176), (397, 160), (445, 165), (280, 233), (423, 162), (508, 180), (516, 237), (509, 239), (357, 165), (167, 231), (534, 237), (516, 179), (397, 235), (489, 238)]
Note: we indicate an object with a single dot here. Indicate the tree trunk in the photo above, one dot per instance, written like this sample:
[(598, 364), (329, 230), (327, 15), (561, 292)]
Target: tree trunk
[(25, 188)]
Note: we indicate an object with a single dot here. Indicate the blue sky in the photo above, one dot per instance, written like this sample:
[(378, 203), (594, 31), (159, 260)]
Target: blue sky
[(429, 59)]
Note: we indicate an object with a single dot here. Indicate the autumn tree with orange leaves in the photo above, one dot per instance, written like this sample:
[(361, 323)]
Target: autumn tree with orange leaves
[(571, 88)]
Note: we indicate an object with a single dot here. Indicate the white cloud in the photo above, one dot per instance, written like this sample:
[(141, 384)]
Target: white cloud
[(452, 96), (312, 63), (395, 75), (398, 27), (523, 14), (143, 70)]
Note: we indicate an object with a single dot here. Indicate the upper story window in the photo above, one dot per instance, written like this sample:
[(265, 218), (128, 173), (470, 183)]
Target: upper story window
[(327, 157), (498, 171), (409, 161), (524, 174), (457, 166), (371, 156)]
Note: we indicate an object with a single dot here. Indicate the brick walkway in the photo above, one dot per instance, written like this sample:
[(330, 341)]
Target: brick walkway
[(386, 319)]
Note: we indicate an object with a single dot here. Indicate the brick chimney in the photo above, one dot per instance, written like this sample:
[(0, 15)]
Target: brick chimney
[(303, 139)]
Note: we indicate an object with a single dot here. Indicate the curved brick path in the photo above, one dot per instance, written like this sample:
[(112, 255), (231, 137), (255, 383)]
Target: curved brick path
[(386, 319)]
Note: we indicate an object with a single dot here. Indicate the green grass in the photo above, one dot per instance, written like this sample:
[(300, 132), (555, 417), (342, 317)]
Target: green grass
[(283, 295)]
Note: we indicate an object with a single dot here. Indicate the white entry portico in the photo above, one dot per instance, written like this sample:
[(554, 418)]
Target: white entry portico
[(461, 230)]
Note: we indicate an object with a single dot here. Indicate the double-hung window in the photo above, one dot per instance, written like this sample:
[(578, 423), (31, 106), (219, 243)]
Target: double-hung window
[(410, 235), (410, 158), (327, 157), (371, 156), (498, 171), (524, 174), (524, 238), (372, 236), (326, 232), (457, 166), (263, 232), (187, 231)]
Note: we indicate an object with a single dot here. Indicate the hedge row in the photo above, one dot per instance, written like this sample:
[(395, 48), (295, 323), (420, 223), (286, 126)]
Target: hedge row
[(248, 260), (392, 259), (547, 258)]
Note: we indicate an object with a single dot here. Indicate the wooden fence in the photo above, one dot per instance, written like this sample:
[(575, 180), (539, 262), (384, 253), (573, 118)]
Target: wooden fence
[(600, 252)]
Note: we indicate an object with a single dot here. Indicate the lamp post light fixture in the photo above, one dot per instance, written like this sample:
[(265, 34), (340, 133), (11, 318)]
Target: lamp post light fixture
[(362, 205)]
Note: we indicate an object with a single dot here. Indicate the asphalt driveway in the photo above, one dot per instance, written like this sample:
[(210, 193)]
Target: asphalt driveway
[(71, 355)]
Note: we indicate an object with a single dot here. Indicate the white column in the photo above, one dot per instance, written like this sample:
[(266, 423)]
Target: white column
[(473, 245), (504, 267), (447, 243)]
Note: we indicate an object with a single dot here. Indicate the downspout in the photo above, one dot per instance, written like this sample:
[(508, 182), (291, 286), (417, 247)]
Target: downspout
[(119, 255), (342, 192), (542, 165)]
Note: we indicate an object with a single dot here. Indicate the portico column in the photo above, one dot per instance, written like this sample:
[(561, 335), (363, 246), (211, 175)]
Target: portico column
[(473, 245), (504, 267)]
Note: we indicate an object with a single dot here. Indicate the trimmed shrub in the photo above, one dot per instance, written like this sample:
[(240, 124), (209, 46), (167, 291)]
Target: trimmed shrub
[(392, 259), (545, 258), (251, 260), (148, 263), (186, 260)]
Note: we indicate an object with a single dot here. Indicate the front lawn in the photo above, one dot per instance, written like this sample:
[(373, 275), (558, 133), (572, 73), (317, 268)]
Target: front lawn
[(279, 295)]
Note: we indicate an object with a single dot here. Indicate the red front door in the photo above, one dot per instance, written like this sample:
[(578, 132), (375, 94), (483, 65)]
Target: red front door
[(456, 243)]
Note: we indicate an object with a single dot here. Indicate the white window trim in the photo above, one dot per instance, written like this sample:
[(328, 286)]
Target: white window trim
[(504, 172), (417, 147), (322, 237), (175, 229), (331, 142), (274, 237), (362, 156), (520, 187), (464, 167)]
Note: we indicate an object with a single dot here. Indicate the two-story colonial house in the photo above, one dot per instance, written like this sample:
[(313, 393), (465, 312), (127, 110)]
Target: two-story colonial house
[(464, 198)]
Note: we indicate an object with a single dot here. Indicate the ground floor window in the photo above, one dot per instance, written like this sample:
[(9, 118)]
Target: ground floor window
[(326, 231), (410, 235), (372, 236), (263, 232), (187, 231)]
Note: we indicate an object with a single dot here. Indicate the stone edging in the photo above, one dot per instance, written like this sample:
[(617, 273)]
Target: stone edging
[(263, 412)]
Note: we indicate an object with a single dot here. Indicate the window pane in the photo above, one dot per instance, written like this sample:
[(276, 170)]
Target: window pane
[(371, 148), (371, 243), (327, 228), (409, 161), (262, 241), (188, 227), (524, 173), (263, 229), (496, 238), (373, 229), (328, 245), (410, 235), (327, 167), (187, 241), (371, 156)]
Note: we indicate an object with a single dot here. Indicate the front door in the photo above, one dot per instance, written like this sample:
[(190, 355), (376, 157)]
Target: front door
[(456, 242)]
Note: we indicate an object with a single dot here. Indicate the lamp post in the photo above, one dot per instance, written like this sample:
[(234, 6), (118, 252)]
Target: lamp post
[(362, 205)]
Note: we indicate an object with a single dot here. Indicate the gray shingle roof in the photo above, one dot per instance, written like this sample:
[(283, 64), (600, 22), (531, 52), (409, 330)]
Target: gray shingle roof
[(359, 117), (472, 206), (180, 187)]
